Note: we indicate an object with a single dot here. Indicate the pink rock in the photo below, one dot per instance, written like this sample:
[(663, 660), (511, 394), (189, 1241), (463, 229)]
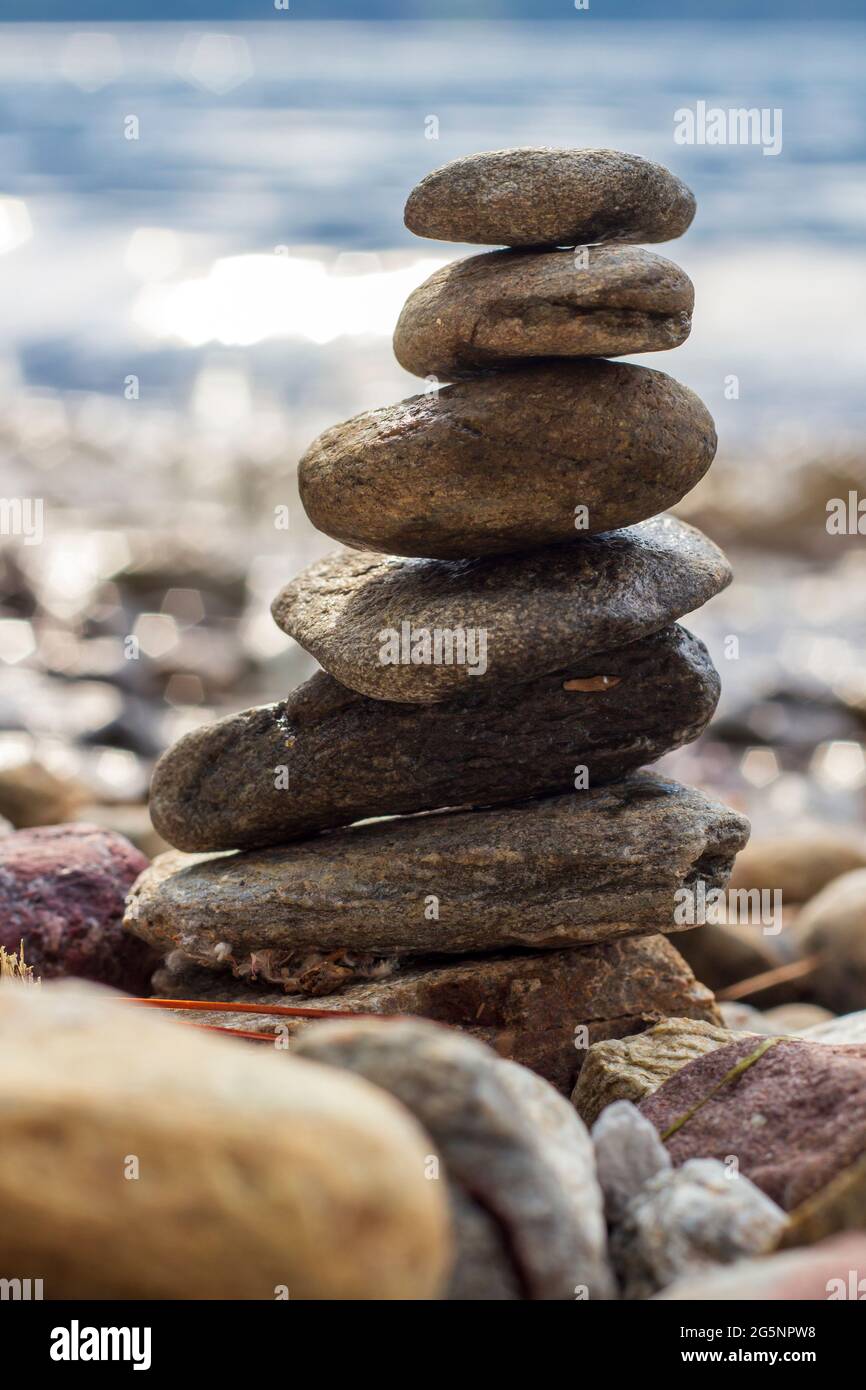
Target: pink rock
[(834, 1270), (62, 890)]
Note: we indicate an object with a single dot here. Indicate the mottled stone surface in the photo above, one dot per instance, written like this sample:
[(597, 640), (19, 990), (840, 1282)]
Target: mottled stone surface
[(549, 197), (628, 1152), (495, 310), (257, 1171), (504, 462), (542, 1009), (833, 925), (347, 757), (62, 891), (633, 1067), (505, 1137), (559, 871), (792, 1113), (688, 1220), (840, 1205), (519, 616), (833, 1270)]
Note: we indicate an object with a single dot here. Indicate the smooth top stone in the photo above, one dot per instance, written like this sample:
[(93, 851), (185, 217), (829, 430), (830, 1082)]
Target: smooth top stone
[(494, 310), (423, 630), (552, 453), (549, 197)]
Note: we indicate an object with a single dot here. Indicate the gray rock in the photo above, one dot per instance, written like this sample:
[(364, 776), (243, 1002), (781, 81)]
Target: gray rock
[(558, 871), (688, 1220), (628, 1152), (549, 197), (847, 1028), (509, 618), (504, 307), (505, 1137)]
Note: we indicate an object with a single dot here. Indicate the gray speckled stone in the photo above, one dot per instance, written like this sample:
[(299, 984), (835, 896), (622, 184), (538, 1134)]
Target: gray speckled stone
[(628, 1152), (549, 197), (520, 616), (557, 871), (691, 1219)]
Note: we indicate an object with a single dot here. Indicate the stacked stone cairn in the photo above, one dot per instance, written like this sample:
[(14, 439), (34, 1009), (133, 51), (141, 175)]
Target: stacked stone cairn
[(500, 652)]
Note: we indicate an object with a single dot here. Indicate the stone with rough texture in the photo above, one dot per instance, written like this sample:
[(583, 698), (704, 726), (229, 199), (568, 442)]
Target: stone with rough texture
[(62, 891), (688, 1220), (549, 197), (559, 871), (632, 1068), (544, 455), (792, 1113), (505, 1138), (833, 924), (833, 1270), (348, 757), (540, 1009), (504, 307), (628, 1152), (257, 1171), (372, 622)]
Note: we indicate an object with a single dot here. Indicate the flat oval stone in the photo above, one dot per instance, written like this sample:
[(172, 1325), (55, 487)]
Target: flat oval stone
[(549, 197), (494, 310), (557, 871), (425, 630), (550, 453), (345, 757)]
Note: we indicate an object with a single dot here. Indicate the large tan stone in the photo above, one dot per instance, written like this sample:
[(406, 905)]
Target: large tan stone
[(142, 1159)]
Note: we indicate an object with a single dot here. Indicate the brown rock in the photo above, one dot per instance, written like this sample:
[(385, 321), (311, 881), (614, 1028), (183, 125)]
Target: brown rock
[(799, 864), (833, 924), (539, 1009), (245, 1184), (561, 871), (347, 757), (506, 1139), (549, 197), (423, 631), (633, 1068), (793, 1113), (503, 463), (498, 309)]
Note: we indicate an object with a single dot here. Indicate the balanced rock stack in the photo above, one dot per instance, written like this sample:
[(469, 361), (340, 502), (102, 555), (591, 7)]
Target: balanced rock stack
[(499, 646)]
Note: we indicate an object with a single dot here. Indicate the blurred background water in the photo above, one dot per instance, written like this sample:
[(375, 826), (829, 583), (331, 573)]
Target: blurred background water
[(202, 257)]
